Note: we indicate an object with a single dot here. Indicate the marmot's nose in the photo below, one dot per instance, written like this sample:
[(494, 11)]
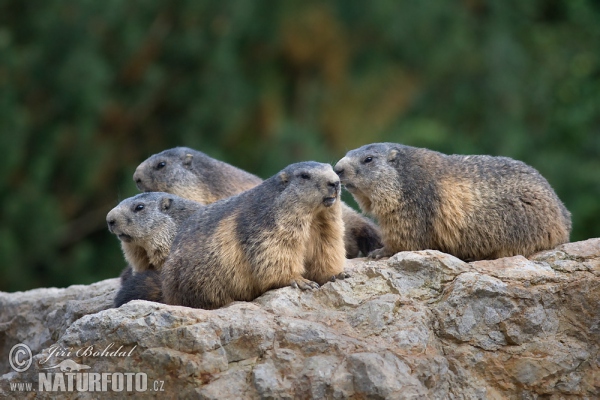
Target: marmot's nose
[(334, 185), (111, 222), (136, 178), (338, 170)]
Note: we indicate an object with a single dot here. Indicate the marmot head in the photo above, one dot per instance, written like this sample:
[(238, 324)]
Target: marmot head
[(193, 175), (311, 183), (140, 217), (169, 171), (146, 224), (370, 169)]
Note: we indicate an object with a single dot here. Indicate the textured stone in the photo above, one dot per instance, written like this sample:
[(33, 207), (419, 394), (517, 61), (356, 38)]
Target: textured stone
[(418, 325), (40, 317)]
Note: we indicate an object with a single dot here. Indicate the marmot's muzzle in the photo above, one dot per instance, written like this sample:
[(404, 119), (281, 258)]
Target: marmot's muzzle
[(329, 201)]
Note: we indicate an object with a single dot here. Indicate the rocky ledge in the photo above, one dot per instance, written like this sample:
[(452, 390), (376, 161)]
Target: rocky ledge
[(417, 325)]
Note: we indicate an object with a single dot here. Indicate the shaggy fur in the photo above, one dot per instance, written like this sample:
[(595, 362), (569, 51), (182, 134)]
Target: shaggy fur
[(286, 231), (473, 207), (194, 175), (146, 225)]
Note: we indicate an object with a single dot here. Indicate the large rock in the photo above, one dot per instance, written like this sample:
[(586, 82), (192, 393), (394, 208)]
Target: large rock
[(418, 325), (40, 317)]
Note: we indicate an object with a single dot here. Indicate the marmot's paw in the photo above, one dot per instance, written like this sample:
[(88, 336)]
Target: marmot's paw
[(304, 284), (379, 253), (341, 275)]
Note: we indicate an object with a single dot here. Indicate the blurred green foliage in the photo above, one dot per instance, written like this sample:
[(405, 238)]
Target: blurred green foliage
[(89, 89)]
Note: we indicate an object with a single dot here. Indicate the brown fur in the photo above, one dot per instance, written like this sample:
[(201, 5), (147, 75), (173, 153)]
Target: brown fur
[(261, 239), (194, 175), (326, 233), (474, 207)]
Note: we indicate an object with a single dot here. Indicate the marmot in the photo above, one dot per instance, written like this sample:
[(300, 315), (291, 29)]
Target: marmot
[(146, 225), (473, 207), (194, 175), (286, 231)]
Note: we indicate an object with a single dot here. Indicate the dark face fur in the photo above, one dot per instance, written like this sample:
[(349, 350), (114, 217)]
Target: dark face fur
[(155, 174), (139, 217), (361, 168), (303, 178), (370, 172)]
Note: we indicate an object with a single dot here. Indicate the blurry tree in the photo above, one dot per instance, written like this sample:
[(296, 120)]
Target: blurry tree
[(89, 89)]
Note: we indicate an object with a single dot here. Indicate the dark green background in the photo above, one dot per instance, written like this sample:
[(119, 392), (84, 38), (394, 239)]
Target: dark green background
[(89, 89)]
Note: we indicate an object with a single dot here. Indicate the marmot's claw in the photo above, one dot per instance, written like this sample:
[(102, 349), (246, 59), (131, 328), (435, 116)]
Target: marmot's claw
[(341, 275), (377, 254), (304, 284)]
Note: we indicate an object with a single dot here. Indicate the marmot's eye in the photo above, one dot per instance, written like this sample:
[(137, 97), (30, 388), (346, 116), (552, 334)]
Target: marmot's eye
[(139, 207), (305, 176), (160, 165), (368, 159)]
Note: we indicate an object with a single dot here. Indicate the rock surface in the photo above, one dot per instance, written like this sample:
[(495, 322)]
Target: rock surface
[(40, 317), (417, 325)]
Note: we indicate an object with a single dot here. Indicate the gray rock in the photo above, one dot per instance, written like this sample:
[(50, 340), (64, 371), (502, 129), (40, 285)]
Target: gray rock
[(40, 317), (418, 325)]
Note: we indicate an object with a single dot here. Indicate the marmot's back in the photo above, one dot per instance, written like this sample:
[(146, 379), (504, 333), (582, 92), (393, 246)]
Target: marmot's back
[(508, 206)]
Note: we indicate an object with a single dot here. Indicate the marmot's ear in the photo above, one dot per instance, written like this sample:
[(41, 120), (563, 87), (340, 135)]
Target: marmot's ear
[(392, 154), (165, 203), (187, 161), (284, 178)]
